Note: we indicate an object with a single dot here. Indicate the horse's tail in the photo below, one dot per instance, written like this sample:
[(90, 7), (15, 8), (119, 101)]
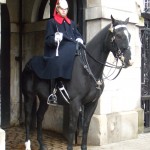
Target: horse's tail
[(26, 75), (28, 66), (27, 89)]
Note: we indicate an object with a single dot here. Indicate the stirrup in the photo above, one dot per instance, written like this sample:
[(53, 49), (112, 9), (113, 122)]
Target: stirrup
[(52, 98)]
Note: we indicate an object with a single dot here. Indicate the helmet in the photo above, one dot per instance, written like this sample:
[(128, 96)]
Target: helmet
[(62, 3)]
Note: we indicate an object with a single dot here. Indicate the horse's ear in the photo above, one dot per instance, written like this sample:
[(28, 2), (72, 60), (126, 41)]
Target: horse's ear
[(111, 28), (126, 21), (113, 20)]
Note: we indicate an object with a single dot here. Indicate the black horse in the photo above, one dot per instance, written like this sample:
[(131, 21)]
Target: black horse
[(86, 84)]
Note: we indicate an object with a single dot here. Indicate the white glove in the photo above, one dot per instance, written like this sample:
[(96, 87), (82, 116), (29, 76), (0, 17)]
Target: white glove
[(58, 36), (79, 40)]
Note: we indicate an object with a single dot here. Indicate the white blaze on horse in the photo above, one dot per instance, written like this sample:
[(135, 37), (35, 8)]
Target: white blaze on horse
[(86, 85)]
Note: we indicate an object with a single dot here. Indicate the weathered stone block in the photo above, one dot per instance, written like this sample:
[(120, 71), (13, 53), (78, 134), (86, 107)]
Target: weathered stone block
[(93, 3), (2, 139), (2, 1), (98, 130), (115, 127), (140, 120)]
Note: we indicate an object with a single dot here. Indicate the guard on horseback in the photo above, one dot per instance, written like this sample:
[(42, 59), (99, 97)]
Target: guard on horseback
[(59, 50), (85, 87)]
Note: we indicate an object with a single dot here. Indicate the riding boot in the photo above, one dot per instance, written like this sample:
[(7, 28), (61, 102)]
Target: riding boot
[(52, 99), (63, 90)]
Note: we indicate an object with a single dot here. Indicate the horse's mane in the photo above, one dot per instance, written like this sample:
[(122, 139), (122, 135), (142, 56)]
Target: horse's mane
[(98, 40), (96, 48)]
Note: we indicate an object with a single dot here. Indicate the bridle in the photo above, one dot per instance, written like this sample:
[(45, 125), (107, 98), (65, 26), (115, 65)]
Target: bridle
[(118, 56), (117, 51)]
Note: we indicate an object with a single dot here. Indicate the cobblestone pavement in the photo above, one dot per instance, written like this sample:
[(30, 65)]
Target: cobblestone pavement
[(15, 141), (15, 138)]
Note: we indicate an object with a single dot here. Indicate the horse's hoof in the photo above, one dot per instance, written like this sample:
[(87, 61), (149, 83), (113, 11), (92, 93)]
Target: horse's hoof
[(43, 147), (83, 147), (69, 148)]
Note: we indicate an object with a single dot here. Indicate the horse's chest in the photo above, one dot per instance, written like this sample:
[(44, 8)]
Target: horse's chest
[(93, 95)]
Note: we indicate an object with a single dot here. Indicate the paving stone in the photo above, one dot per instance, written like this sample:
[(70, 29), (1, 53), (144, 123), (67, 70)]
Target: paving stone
[(15, 137)]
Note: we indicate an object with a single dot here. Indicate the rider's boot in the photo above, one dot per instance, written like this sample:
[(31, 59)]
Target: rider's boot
[(63, 90), (52, 99)]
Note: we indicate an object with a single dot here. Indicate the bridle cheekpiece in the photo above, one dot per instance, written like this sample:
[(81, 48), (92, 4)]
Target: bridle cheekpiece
[(118, 54)]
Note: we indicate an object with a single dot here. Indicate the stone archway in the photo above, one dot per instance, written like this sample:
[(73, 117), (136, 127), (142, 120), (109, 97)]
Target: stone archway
[(35, 10)]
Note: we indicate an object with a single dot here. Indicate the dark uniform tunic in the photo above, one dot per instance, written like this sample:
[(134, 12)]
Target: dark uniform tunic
[(51, 66)]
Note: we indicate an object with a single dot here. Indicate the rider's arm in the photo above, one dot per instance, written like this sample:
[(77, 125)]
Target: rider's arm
[(76, 32), (50, 34)]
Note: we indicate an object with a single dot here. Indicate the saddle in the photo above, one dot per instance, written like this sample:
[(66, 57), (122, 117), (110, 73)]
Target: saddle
[(59, 85)]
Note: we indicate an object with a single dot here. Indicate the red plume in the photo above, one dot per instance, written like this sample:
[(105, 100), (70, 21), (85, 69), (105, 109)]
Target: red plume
[(55, 8)]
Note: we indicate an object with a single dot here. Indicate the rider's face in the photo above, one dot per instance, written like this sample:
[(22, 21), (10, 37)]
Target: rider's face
[(62, 12)]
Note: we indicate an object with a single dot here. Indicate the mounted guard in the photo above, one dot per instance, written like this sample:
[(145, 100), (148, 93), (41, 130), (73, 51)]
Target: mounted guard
[(84, 86), (59, 51)]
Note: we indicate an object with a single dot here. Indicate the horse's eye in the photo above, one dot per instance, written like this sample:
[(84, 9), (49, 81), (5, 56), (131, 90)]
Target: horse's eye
[(118, 36)]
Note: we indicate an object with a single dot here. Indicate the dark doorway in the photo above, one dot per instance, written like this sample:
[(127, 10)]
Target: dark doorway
[(75, 11), (5, 67)]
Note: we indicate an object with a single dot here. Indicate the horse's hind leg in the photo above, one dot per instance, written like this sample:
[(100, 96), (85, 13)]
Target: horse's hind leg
[(88, 113), (28, 102), (40, 115)]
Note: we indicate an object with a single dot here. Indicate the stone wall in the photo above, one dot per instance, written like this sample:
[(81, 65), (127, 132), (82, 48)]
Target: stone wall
[(117, 115), (14, 65), (3, 1)]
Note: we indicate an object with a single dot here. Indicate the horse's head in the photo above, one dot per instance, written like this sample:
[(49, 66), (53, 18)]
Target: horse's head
[(120, 41)]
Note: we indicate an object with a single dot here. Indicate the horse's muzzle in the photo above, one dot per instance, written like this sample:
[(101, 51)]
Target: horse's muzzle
[(127, 64)]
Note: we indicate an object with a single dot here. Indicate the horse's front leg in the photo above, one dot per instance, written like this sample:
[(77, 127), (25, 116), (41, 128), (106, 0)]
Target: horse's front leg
[(28, 102), (74, 114), (40, 115), (88, 113)]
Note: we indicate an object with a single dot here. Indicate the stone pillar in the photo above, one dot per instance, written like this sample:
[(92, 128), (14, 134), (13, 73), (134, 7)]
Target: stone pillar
[(118, 115), (3, 1), (2, 139)]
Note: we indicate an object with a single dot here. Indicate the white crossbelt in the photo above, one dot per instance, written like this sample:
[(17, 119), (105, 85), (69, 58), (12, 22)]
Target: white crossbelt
[(57, 52)]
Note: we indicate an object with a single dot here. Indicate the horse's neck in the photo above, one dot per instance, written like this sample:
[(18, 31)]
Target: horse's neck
[(99, 53), (97, 68)]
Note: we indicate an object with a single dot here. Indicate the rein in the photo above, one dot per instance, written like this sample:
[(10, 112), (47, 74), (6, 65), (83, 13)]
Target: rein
[(99, 62), (82, 53), (117, 56), (107, 64)]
